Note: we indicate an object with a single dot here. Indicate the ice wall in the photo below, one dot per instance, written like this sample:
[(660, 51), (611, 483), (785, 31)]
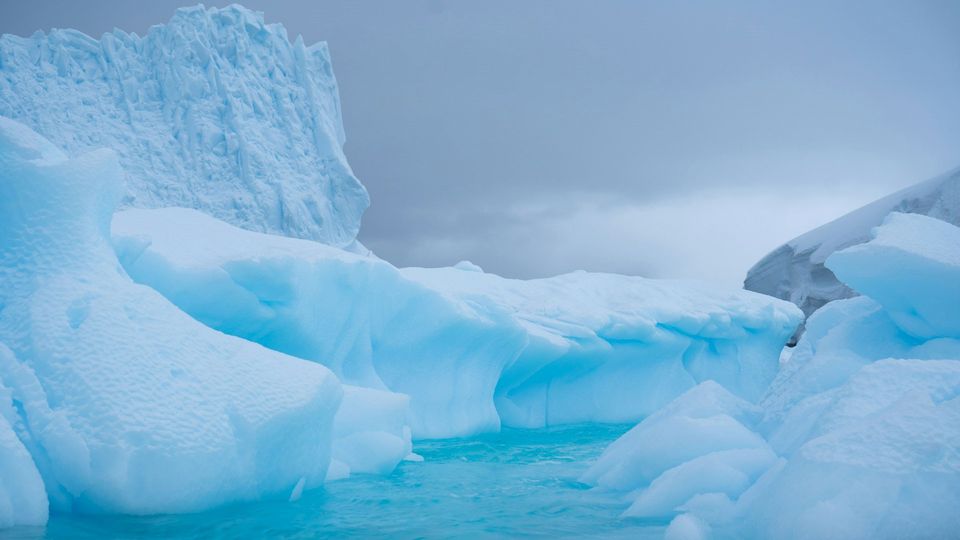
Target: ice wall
[(472, 350), (857, 437), (796, 272), (214, 110), (124, 402)]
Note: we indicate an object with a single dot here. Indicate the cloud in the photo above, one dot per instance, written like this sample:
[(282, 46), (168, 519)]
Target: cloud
[(711, 235), (639, 137)]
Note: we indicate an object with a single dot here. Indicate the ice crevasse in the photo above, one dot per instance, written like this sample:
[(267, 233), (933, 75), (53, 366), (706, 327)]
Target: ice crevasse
[(858, 436), (118, 400), (214, 110), (474, 351)]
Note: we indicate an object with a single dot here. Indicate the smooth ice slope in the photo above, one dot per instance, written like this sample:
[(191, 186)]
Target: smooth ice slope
[(471, 349), (700, 444), (858, 435), (214, 110), (125, 403), (795, 271)]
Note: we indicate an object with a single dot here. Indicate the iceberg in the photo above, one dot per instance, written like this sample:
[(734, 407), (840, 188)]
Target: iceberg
[(23, 499), (472, 350), (225, 338), (371, 433), (123, 402), (796, 271), (613, 348), (912, 269), (214, 110), (703, 442), (858, 436)]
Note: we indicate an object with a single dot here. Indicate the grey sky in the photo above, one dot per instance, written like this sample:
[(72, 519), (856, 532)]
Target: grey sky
[(668, 139)]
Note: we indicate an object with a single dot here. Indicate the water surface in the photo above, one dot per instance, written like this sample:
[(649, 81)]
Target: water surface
[(514, 483)]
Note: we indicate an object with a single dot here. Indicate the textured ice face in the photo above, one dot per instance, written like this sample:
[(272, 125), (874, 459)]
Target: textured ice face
[(471, 349), (864, 416), (124, 402), (214, 110)]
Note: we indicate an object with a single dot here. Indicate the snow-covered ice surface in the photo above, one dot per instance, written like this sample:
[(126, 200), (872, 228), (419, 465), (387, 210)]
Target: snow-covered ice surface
[(472, 350), (124, 402), (796, 272), (214, 110), (857, 437)]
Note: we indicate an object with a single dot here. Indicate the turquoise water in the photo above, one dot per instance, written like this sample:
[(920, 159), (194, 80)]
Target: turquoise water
[(515, 483)]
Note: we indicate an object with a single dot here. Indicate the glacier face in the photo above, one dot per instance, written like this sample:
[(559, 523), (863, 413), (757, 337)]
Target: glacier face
[(858, 436), (214, 110), (796, 271), (472, 350), (124, 402)]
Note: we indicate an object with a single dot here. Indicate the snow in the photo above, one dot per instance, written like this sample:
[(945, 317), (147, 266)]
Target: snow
[(858, 436), (214, 110), (474, 351), (796, 272), (125, 403)]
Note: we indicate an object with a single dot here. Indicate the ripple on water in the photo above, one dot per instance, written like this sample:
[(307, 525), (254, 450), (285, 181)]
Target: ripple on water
[(514, 483)]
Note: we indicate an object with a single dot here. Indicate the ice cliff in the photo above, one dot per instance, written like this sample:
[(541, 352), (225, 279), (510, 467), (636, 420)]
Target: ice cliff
[(214, 110), (472, 350), (857, 437), (796, 271)]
